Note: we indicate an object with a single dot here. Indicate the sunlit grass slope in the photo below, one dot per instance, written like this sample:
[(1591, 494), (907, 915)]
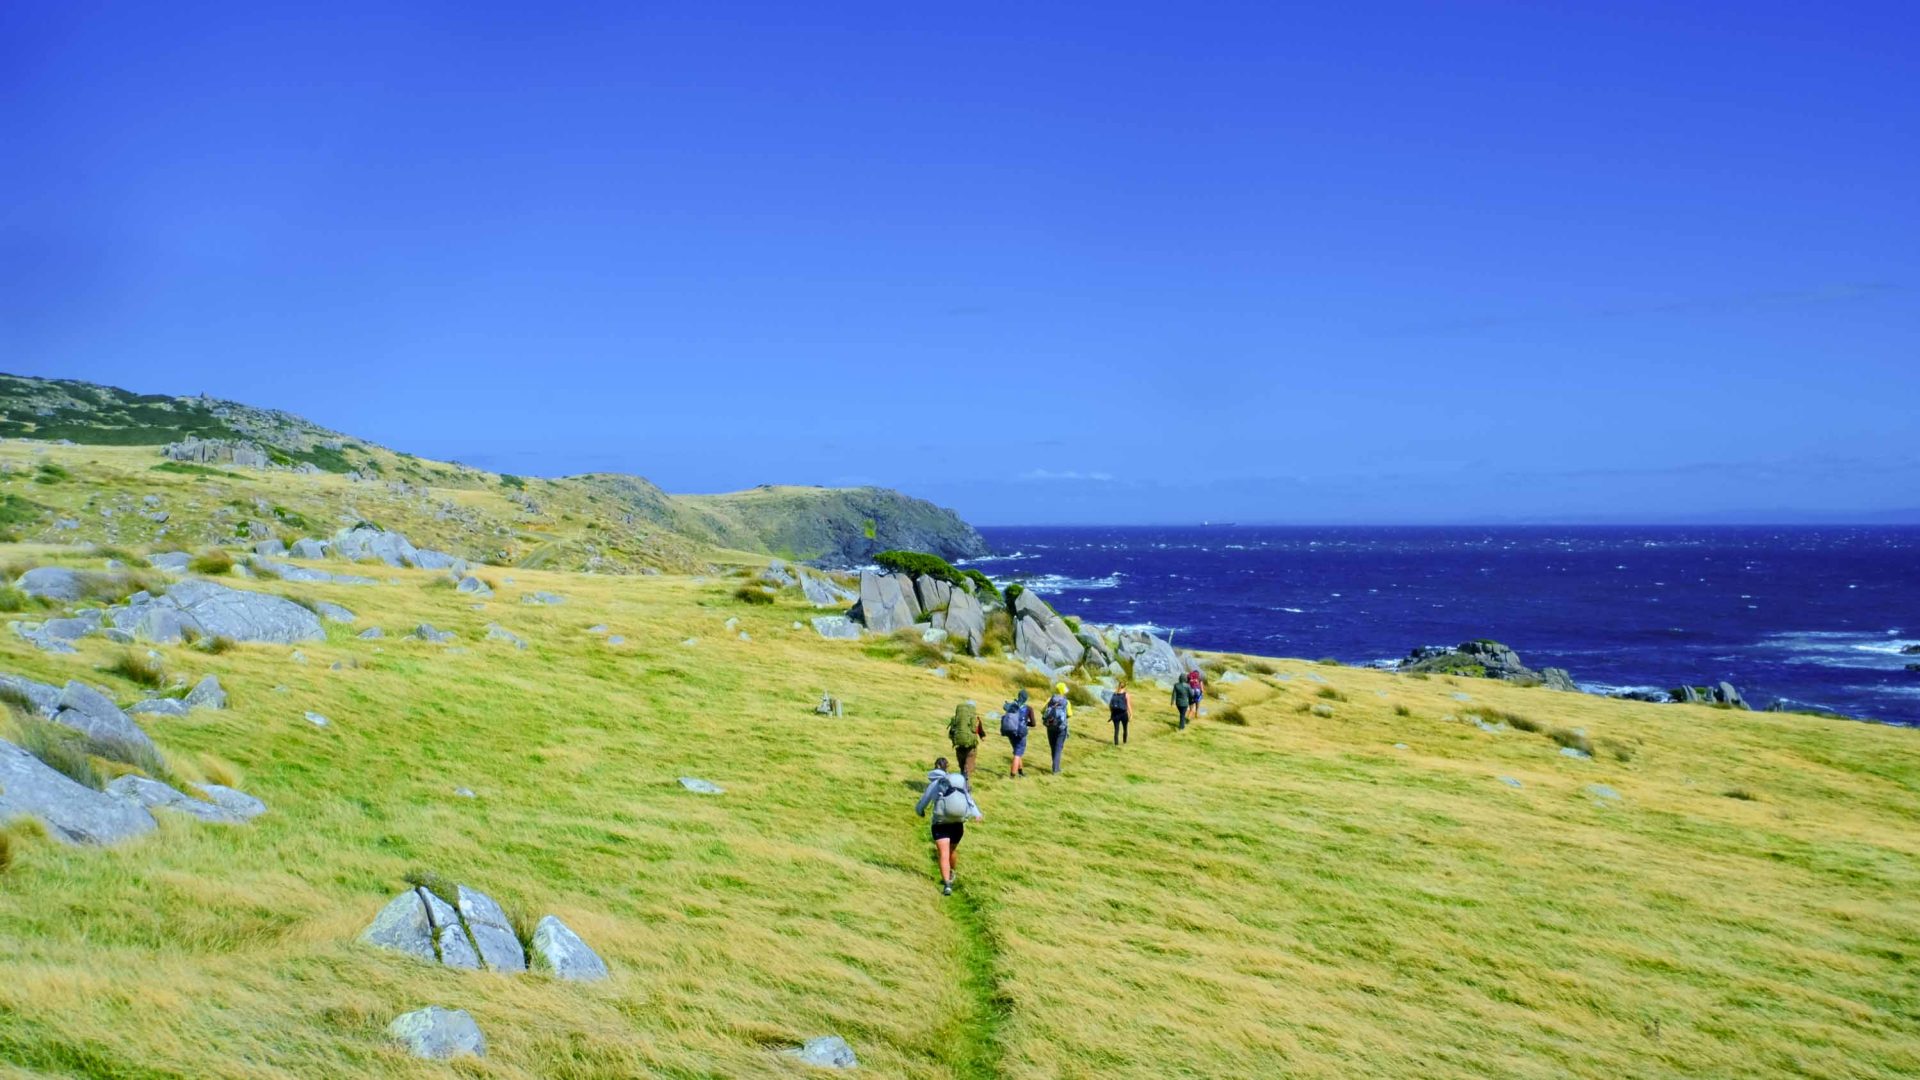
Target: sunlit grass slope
[(1292, 897)]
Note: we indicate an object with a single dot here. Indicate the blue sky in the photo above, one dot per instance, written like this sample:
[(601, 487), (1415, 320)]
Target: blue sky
[(1043, 263)]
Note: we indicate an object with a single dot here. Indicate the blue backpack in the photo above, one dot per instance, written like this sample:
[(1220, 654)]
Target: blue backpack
[(1013, 721)]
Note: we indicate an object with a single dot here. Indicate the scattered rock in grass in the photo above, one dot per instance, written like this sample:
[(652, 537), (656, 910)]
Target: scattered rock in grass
[(309, 548), (1458, 696), (333, 612), (542, 598), (690, 642), (496, 632), (437, 1034), (616, 639), (836, 627), (474, 585), (1576, 753), (427, 632), (94, 714), (165, 706), (560, 951), (465, 793), (1602, 791), (207, 694), (153, 795), (1236, 677), (173, 562), (218, 611), (72, 812), (1510, 781), (1325, 712), (597, 628), (824, 592), (829, 706), (317, 720), (1400, 746), (732, 622), (403, 926), (825, 1052), (298, 657), (44, 699), (238, 803), (372, 632), (704, 787), (744, 636), (37, 635)]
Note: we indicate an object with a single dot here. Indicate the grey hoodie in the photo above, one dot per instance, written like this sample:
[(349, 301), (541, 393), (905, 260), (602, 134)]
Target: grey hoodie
[(958, 781)]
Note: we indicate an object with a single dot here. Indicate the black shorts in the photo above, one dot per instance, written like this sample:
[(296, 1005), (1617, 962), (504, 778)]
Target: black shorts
[(950, 830)]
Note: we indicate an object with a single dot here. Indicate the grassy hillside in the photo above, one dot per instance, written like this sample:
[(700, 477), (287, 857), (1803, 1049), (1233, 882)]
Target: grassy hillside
[(1340, 885), (603, 522)]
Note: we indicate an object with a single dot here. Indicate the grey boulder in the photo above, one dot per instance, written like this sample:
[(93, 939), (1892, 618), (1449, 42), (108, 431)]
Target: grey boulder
[(492, 932), (155, 795), (561, 952), (219, 611), (159, 707), (542, 598), (836, 626), (966, 620), (52, 583), (309, 549), (403, 926), (474, 585), (427, 632), (367, 542), (704, 787), (238, 803), (94, 715), (826, 1052), (44, 699), (496, 632), (333, 612), (270, 548), (887, 602), (173, 562), (72, 813), (207, 694), (437, 1034), (822, 591)]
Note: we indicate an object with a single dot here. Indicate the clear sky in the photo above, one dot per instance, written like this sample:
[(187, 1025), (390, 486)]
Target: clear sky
[(1043, 263)]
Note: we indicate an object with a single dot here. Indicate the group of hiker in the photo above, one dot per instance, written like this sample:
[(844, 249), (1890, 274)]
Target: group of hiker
[(950, 784)]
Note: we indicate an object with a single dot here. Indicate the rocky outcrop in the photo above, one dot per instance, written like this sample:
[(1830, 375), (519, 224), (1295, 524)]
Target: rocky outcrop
[(244, 454), (475, 933), (53, 583), (437, 1034), (836, 627), (155, 795), (72, 812), (823, 591), (1723, 694), (887, 602), (287, 571), (94, 715), (1041, 636), (212, 610), (1153, 658), (1484, 658), (965, 620)]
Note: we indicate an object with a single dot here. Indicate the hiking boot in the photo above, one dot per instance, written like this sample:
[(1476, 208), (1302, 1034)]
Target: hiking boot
[(946, 889)]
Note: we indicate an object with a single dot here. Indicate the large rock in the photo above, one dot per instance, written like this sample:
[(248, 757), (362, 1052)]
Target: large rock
[(173, 562), (932, 593), (207, 694), (835, 626), (287, 571), (95, 715), (367, 542), (429, 559), (333, 612), (966, 620), (822, 591), (887, 602), (238, 803), (44, 699), (72, 812), (309, 549), (53, 583), (438, 1034), (217, 452), (403, 926), (155, 795), (1153, 659), (1041, 636), (218, 611), (473, 585), (492, 931), (561, 951)]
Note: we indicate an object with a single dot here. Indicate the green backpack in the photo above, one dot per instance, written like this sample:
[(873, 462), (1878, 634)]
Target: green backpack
[(963, 730)]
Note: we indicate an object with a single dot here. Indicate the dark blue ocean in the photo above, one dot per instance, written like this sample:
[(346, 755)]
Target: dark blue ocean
[(1814, 615)]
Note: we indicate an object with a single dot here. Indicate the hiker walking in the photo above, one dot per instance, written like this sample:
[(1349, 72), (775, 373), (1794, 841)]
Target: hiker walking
[(1015, 721), (964, 732), (1182, 700), (1194, 686), (953, 805), (1055, 716), (1119, 712)]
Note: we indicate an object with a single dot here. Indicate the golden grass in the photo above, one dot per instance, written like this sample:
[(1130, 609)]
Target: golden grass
[(1292, 897)]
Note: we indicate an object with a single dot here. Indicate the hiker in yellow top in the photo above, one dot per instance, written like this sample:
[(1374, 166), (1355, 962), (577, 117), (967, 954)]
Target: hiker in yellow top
[(1055, 716)]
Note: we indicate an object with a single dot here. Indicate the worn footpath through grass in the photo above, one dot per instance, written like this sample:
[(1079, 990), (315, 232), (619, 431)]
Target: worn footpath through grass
[(1296, 896)]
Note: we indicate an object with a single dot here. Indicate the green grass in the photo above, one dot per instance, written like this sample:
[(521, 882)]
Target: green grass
[(139, 669), (1274, 899), (214, 561)]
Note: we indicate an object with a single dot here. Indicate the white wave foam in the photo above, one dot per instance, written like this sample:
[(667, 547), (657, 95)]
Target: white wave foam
[(1060, 583)]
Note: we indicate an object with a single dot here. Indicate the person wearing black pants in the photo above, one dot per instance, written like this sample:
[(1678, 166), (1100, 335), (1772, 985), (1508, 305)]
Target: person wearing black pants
[(1119, 712)]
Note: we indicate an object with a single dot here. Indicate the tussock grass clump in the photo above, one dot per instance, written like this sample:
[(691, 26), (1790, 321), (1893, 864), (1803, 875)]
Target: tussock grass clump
[(59, 748), (263, 571), (1232, 716), (1081, 694), (6, 850), (218, 770), (752, 594), (1402, 711), (1030, 679), (1262, 667), (998, 637), (1571, 739), (1742, 794), (1330, 694), (49, 473), (139, 669), (213, 562), (12, 599), (109, 551), (1513, 720), (1614, 748), (1329, 661)]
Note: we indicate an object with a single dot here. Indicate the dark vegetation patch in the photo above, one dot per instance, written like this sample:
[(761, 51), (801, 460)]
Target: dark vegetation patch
[(49, 473), (920, 564), (15, 510), (139, 669), (1231, 715), (1330, 694), (752, 594), (1742, 794), (1402, 710), (211, 561)]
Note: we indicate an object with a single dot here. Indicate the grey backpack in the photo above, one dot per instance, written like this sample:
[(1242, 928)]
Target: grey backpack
[(952, 805)]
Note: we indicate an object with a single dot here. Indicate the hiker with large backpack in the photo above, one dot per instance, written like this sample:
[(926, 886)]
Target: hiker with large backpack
[(1016, 719), (953, 806), (1055, 716), (1120, 712), (1182, 700), (1194, 690), (964, 732)]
